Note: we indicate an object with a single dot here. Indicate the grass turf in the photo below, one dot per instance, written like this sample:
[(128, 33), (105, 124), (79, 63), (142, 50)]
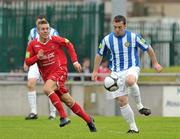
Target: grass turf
[(108, 128)]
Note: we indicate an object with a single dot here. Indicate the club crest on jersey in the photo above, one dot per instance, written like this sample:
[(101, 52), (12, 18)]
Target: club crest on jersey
[(127, 44)]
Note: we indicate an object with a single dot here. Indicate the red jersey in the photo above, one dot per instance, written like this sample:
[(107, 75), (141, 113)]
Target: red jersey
[(54, 58)]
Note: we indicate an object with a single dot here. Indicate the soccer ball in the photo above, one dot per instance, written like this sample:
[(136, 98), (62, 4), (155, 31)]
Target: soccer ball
[(111, 83)]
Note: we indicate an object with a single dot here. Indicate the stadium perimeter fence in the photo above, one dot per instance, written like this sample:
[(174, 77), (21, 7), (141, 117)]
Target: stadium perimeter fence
[(81, 23)]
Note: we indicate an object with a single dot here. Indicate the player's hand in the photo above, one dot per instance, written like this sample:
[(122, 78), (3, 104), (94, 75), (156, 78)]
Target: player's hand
[(94, 76), (77, 66), (40, 54), (25, 67), (158, 67)]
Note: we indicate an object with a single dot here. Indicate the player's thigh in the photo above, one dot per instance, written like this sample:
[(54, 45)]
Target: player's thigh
[(49, 86), (132, 75)]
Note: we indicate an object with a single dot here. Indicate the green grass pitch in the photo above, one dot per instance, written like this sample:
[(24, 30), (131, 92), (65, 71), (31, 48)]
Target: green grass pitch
[(108, 128)]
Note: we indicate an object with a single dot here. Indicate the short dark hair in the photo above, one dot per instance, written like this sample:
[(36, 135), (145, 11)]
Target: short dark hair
[(120, 18)]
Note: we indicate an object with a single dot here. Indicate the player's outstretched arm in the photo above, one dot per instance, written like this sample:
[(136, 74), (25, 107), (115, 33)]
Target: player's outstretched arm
[(155, 63), (70, 48)]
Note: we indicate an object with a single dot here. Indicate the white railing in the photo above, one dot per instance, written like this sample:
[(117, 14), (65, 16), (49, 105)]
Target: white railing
[(22, 77)]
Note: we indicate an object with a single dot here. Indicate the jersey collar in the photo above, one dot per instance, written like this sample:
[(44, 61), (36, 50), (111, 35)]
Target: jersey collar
[(38, 40)]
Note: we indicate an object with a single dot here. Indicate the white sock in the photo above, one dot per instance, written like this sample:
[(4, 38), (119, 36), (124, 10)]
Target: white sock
[(52, 109), (32, 101), (128, 115), (135, 94)]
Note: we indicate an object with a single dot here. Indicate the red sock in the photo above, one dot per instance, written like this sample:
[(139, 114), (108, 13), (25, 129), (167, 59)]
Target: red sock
[(76, 108), (58, 104)]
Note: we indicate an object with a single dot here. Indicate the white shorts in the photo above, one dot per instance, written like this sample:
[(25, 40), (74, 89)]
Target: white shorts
[(34, 72), (123, 88)]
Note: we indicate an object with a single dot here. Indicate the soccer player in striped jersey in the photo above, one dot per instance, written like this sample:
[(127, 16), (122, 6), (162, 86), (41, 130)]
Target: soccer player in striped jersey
[(124, 62), (34, 75)]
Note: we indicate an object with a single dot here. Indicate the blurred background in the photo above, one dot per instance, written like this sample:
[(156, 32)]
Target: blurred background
[(85, 22)]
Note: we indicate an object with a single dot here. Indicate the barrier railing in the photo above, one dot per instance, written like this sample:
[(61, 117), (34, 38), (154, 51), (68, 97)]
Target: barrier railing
[(21, 78)]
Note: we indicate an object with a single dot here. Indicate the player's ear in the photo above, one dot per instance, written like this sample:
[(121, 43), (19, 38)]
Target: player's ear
[(125, 25), (49, 28)]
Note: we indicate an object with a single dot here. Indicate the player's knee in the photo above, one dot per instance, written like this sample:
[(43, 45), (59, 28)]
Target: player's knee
[(31, 86), (130, 81), (122, 101), (46, 90)]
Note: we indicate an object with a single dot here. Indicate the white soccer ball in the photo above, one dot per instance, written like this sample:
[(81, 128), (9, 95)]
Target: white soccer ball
[(111, 83)]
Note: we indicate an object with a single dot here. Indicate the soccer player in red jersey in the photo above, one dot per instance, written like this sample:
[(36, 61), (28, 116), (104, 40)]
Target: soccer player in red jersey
[(34, 75), (48, 52)]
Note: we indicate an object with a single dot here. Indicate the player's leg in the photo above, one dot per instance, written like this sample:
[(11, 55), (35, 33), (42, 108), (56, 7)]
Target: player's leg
[(32, 99), (78, 110), (63, 121), (70, 102), (49, 88), (52, 111), (32, 78), (127, 113), (133, 89)]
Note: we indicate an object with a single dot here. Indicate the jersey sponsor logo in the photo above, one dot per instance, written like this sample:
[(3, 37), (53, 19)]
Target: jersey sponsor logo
[(47, 64), (49, 56), (127, 44), (27, 54)]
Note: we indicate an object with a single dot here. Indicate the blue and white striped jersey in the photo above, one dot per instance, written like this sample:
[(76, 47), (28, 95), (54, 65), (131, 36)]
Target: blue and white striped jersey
[(34, 34), (123, 50)]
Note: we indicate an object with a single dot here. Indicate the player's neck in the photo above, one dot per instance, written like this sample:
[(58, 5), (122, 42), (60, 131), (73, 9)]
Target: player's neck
[(44, 40)]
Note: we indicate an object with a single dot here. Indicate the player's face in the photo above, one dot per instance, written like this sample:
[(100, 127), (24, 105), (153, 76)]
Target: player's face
[(43, 31), (119, 28)]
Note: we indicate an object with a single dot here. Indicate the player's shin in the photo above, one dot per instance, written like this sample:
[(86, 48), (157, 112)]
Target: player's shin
[(58, 104), (32, 101), (135, 94), (128, 115), (76, 108)]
